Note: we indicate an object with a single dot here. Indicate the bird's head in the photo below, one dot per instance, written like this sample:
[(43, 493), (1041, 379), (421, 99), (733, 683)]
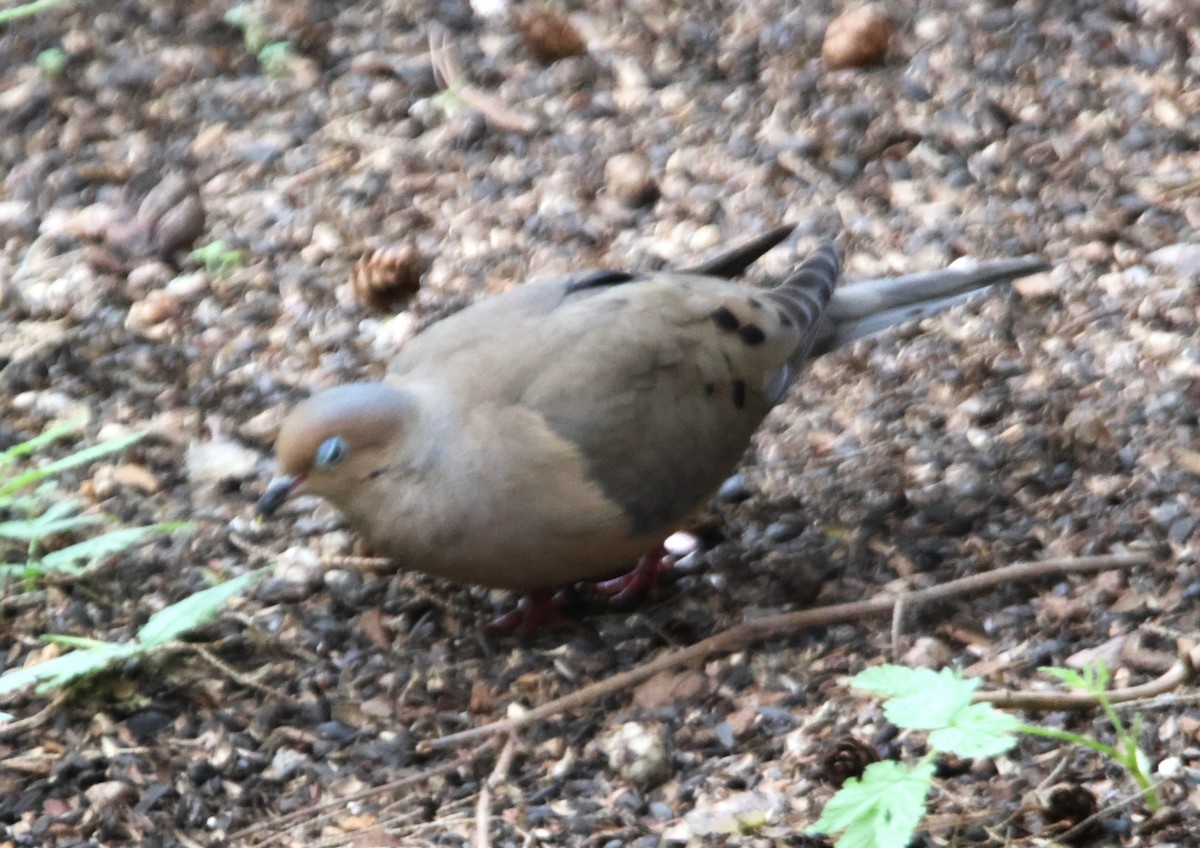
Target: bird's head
[(336, 441)]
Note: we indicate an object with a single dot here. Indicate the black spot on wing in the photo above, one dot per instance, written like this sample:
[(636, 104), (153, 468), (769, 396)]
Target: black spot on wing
[(725, 319), (599, 279), (739, 393), (752, 335)]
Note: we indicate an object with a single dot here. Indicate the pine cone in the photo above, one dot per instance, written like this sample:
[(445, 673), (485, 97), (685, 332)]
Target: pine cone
[(1068, 805), (548, 35), (384, 278), (847, 758)]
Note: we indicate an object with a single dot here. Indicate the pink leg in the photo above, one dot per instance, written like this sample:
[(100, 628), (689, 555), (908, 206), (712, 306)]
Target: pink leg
[(641, 581), (535, 610)]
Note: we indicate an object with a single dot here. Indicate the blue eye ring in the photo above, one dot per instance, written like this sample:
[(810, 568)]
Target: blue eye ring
[(330, 452)]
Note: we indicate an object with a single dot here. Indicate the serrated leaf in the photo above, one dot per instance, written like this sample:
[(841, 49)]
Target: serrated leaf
[(880, 810), (104, 545), (173, 621), (919, 698), (980, 730), (893, 680)]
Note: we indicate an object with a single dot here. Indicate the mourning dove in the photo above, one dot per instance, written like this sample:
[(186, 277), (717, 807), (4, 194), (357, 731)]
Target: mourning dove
[(556, 432)]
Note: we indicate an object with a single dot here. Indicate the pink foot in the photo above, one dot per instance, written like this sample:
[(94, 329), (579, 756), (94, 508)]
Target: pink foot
[(643, 580), (535, 610)]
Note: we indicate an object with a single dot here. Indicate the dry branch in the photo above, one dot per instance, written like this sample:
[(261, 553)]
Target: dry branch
[(747, 633), (1183, 671)]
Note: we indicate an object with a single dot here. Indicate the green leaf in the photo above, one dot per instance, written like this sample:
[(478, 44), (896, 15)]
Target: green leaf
[(980, 730), (46, 437), (80, 457), (880, 810), (1068, 677), (113, 542), (94, 656), (81, 642), (173, 621), (918, 698), (30, 530), (63, 670)]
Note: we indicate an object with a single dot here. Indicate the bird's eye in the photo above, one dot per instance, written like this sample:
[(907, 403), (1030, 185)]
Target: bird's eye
[(330, 453)]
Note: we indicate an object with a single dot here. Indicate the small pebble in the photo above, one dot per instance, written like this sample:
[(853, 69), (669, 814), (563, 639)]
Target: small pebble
[(857, 38), (627, 176)]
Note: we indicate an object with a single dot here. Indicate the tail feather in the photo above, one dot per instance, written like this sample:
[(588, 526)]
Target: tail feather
[(803, 297), (805, 294), (862, 309)]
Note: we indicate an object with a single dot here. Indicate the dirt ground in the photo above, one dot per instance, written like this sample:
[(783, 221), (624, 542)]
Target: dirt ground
[(1055, 420)]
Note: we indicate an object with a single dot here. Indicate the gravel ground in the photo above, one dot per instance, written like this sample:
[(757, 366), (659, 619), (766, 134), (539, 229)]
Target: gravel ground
[(1054, 420)]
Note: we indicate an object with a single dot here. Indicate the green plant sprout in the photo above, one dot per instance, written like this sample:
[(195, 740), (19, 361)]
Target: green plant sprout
[(1094, 681), (160, 631), (26, 10), (53, 62), (217, 258), (273, 56), (28, 522), (883, 808)]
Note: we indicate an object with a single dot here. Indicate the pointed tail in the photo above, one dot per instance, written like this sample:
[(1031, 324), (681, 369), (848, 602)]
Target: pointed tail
[(862, 309)]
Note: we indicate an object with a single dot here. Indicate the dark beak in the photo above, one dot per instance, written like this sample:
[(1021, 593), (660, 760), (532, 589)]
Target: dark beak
[(276, 493)]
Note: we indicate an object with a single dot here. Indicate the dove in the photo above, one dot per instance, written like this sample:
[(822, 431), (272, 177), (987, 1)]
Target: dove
[(559, 432)]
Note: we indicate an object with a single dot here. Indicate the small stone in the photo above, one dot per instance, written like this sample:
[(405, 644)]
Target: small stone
[(627, 177), (128, 476), (151, 274), (285, 764), (148, 315), (1087, 427), (638, 752), (928, 652), (218, 460), (1036, 286), (1182, 259), (110, 793), (857, 38)]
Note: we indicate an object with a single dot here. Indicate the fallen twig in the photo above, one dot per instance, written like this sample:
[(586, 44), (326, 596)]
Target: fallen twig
[(235, 675), (483, 809), (312, 812), (14, 728), (1183, 671), (747, 633), (495, 112)]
